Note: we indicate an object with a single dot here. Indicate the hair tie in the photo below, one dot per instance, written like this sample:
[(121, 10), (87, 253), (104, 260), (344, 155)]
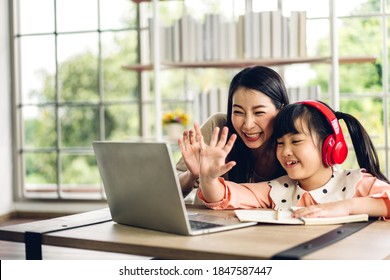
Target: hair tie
[(339, 115)]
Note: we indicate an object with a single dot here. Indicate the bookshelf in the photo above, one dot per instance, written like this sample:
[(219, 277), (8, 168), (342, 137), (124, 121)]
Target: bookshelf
[(244, 63), (160, 63)]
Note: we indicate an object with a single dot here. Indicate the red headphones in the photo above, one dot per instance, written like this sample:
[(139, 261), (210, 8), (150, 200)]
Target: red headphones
[(334, 149)]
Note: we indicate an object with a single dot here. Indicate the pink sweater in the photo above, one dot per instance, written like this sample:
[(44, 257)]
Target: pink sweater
[(284, 193)]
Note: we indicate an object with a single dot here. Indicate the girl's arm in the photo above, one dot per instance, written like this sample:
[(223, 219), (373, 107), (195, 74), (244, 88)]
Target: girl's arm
[(212, 164), (374, 207)]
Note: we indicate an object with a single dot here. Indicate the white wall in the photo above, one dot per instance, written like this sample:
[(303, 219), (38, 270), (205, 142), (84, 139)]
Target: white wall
[(6, 205)]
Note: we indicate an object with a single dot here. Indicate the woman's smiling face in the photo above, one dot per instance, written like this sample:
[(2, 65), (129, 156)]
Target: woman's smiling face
[(253, 113)]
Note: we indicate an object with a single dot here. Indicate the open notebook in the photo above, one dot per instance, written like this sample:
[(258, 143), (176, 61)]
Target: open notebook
[(143, 190), (284, 217)]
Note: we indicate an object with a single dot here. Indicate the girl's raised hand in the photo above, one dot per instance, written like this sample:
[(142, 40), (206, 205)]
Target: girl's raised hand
[(213, 156)]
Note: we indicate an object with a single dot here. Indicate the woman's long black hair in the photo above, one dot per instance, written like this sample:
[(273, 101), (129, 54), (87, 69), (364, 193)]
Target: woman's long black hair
[(268, 82), (286, 121)]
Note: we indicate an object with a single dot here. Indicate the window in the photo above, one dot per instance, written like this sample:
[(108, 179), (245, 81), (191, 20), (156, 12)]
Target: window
[(70, 87), (70, 91)]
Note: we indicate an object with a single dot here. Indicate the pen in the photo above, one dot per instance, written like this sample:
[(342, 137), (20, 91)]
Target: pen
[(278, 214), (292, 209)]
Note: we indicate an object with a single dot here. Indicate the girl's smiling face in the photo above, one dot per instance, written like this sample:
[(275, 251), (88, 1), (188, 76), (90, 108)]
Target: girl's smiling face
[(253, 113), (301, 156)]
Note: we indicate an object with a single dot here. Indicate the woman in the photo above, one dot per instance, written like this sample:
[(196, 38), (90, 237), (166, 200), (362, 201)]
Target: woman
[(256, 94)]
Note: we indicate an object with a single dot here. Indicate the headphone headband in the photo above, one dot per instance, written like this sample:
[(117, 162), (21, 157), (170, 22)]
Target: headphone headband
[(329, 115), (335, 149)]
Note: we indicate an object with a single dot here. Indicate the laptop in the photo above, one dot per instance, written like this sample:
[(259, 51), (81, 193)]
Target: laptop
[(143, 190)]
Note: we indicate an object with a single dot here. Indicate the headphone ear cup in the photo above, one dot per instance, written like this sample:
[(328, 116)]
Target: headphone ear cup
[(340, 152), (327, 150)]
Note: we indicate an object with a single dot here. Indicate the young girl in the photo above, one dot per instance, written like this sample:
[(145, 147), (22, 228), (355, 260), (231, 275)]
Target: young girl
[(310, 145)]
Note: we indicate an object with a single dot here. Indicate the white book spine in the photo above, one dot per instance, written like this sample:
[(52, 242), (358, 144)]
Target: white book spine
[(223, 40), (276, 34), (184, 38), (285, 37), (215, 37), (294, 35), (222, 100), (255, 35), (302, 34), (212, 102), (232, 40), (176, 41), (240, 37), (207, 37), (203, 106), (265, 34), (199, 41), (192, 39), (248, 52)]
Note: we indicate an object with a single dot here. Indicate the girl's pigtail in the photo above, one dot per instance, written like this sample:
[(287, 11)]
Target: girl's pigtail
[(364, 148)]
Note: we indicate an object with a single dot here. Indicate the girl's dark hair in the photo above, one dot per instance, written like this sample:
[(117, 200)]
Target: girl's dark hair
[(286, 122), (268, 82)]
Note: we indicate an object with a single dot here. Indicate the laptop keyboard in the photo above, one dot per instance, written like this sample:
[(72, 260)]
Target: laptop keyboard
[(196, 225)]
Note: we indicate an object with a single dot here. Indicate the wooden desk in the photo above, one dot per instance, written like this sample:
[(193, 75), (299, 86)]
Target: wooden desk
[(256, 242)]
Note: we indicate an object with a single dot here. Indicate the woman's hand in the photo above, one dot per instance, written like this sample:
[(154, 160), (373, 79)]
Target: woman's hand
[(190, 149)]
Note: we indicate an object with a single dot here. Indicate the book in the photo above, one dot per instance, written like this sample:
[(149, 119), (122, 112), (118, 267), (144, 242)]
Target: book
[(284, 217), (294, 35), (231, 35), (276, 34), (248, 52), (302, 34), (255, 35), (240, 36), (265, 34)]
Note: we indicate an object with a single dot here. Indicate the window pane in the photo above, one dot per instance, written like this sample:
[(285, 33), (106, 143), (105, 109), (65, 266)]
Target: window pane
[(75, 15), (121, 45), (119, 48), (318, 43), (36, 16), (78, 68), (149, 120), (79, 126), (40, 174), (80, 177), (357, 7), (37, 64), (388, 44), (121, 121), (117, 15), (360, 78), (369, 112), (361, 36), (39, 127)]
